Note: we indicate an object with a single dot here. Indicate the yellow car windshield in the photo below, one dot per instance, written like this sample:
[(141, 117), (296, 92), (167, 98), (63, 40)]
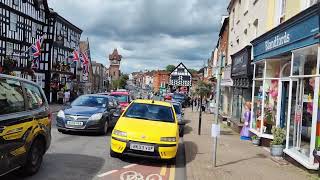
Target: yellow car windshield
[(150, 112)]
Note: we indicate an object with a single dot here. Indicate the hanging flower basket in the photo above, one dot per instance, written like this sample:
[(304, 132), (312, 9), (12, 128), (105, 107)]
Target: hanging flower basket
[(8, 65)]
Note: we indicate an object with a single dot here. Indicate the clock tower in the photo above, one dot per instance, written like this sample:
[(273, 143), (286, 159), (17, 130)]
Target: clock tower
[(114, 68)]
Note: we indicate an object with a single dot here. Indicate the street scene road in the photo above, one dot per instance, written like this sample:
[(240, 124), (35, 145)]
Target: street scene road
[(76, 156), (159, 90)]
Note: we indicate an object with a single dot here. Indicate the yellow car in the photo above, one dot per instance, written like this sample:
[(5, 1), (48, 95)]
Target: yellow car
[(147, 128)]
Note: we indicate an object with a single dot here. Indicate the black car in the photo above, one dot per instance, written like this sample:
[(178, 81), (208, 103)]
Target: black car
[(91, 113), (25, 125)]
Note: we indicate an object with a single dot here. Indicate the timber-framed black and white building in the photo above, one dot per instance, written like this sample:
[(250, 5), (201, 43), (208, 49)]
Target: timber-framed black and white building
[(22, 22), (180, 79), (64, 38)]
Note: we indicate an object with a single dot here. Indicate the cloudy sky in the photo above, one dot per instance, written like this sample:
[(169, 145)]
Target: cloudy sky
[(149, 34)]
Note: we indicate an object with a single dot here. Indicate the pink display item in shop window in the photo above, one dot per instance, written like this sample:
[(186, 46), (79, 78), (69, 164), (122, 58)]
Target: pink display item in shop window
[(273, 91)]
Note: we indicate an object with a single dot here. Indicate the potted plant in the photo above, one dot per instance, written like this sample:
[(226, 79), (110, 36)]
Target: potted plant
[(279, 136), (255, 140), (269, 120)]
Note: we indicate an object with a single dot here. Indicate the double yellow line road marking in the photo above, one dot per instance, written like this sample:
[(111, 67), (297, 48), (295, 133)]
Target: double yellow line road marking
[(172, 171)]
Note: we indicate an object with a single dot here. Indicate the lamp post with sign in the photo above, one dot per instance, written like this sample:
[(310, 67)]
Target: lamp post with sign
[(215, 131)]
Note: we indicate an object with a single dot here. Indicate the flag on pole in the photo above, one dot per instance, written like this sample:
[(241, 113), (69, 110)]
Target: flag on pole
[(84, 58), (75, 56), (35, 64), (36, 48)]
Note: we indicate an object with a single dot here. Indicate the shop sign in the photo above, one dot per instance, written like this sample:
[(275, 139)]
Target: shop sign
[(279, 40), (297, 32), (241, 62)]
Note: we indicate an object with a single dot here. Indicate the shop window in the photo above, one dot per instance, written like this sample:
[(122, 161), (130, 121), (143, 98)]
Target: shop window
[(305, 61), (257, 105), (270, 105), (301, 115), (273, 69), (259, 70)]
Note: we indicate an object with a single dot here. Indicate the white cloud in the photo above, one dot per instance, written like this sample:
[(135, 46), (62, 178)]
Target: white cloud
[(148, 34)]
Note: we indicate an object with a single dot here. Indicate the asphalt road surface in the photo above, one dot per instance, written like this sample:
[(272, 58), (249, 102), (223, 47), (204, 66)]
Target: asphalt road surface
[(84, 156)]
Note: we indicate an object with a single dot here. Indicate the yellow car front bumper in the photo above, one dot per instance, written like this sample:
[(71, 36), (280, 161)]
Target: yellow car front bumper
[(162, 151)]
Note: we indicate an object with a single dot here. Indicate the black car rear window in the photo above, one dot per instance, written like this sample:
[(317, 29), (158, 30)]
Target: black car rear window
[(151, 112), (11, 96)]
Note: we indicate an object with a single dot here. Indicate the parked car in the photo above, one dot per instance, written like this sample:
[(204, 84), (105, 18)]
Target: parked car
[(147, 128), (25, 125), (179, 113), (91, 113), (123, 97)]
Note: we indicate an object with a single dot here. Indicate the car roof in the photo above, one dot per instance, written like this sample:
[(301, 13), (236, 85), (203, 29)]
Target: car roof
[(147, 101), (120, 93), (96, 95)]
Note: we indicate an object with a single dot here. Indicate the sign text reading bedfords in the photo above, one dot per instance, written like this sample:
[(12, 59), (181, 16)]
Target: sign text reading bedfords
[(277, 41)]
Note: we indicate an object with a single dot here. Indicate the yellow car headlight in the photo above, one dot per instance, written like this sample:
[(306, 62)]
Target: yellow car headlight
[(119, 133), (168, 139)]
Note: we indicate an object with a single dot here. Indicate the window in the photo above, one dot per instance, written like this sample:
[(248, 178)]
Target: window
[(259, 70), (246, 6), (282, 9), (16, 2), (150, 112), (11, 97), (34, 29), (305, 61), (34, 97), (13, 21), (256, 26), (233, 18), (257, 105)]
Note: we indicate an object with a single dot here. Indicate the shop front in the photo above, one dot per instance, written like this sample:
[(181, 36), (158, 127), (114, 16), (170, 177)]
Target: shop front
[(286, 80), (241, 73)]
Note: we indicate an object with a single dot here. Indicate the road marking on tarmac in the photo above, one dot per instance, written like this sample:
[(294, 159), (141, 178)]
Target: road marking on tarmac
[(172, 172), (163, 170), (129, 166), (107, 173)]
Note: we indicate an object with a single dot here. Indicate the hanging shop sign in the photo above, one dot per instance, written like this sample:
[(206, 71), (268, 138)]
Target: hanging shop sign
[(295, 33), (241, 63)]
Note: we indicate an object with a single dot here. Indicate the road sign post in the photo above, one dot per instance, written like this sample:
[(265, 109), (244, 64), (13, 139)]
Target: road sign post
[(217, 126)]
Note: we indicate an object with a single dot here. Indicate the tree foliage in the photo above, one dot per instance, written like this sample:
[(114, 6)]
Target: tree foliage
[(170, 67), (121, 82), (203, 89), (192, 71)]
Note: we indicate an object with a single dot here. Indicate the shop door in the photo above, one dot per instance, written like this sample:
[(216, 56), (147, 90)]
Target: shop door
[(300, 119), (284, 103)]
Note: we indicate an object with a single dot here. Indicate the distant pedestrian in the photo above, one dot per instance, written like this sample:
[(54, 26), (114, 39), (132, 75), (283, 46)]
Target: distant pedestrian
[(66, 96), (60, 97)]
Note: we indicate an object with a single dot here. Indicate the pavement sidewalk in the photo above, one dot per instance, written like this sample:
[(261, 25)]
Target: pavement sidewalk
[(236, 159)]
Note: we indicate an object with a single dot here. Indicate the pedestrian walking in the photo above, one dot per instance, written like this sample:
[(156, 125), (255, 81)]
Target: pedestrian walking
[(66, 96)]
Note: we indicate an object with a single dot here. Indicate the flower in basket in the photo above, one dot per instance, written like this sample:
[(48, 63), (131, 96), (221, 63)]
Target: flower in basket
[(269, 115)]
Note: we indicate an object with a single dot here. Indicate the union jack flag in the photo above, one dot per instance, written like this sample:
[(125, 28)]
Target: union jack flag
[(84, 58), (36, 48), (75, 56)]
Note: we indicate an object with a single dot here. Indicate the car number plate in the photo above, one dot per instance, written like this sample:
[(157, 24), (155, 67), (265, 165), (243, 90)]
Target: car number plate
[(141, 147), (75, 123)]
